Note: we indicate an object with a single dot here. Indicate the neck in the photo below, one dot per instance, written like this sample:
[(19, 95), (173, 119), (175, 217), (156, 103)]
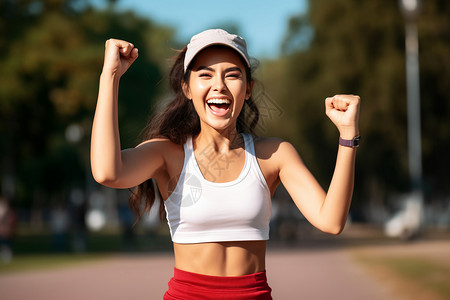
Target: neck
[(219, 141)]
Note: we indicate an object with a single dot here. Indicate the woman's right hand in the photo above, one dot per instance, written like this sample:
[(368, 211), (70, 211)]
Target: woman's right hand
[(119, 55)]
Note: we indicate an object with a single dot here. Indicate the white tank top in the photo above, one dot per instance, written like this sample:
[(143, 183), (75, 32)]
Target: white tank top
[(200, 211)]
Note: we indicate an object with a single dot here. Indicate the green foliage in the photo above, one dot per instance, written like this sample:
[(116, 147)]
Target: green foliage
[(351, 46), (52, 55)]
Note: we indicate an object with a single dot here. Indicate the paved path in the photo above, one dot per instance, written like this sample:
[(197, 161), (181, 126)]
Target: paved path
[(295, 274)]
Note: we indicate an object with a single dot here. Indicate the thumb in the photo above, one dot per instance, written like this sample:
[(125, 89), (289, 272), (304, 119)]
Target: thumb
[(129, 52), (134, 54)]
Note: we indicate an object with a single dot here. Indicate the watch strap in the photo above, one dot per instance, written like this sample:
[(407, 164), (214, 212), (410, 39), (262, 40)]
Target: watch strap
[(350, 143)]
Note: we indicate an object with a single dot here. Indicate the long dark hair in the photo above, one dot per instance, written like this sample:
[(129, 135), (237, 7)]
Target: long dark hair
[(177, 121)]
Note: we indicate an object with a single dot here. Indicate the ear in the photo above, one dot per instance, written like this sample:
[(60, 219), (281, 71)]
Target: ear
[(248, 93), (186, 90)]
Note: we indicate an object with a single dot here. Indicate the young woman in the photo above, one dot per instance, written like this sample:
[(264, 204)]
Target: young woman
[(215, 177)]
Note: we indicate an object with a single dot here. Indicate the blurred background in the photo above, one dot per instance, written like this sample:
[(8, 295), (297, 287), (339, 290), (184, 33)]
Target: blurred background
[(394, 54)]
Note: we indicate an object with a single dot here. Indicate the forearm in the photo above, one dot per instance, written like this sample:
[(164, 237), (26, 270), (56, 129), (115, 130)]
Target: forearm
[(334, 210), (105, 139)]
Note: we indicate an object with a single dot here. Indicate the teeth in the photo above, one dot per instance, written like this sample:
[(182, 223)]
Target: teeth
[(219, 101)]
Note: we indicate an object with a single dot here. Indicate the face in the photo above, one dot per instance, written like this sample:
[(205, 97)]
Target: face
[(218, 87)]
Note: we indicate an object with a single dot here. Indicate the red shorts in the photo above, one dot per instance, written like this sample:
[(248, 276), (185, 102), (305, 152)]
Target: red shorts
[(187, 286)]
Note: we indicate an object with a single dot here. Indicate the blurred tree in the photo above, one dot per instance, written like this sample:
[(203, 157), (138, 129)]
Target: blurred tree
[(52, 54), (351, 46)]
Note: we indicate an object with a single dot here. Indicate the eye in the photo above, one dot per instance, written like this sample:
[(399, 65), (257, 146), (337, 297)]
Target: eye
[(204, 75), (234, 75)]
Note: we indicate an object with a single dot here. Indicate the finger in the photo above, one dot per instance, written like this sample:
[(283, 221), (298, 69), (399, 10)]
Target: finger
[(116, 43), (343, 102), (328, 104), (353, 102), (124, 47), (350, 99)]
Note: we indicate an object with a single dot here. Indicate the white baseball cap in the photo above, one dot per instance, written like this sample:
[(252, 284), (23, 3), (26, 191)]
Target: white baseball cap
[(215, 37)]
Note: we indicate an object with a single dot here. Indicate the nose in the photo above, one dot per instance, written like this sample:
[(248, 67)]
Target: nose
[(219, 84)]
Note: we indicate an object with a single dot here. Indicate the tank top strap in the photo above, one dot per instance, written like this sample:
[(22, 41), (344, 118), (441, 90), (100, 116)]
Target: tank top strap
[(249, 145), (188, 145), (188, 153), (250, 150), (252, 160)]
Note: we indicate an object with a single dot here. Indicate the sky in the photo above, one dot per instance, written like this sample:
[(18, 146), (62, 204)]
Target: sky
[(262, 23)]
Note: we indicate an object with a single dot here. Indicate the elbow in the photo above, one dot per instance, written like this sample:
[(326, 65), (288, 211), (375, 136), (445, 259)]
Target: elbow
[(104, 174), (101, 179), (104, 178), (334, 229)]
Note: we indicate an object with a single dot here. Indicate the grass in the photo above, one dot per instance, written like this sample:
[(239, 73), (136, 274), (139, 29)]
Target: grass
[(429, 274), (419, 272), (39, 251), (47, 261)]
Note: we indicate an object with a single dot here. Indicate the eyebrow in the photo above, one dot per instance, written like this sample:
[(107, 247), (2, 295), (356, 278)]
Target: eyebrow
[(212, 70)]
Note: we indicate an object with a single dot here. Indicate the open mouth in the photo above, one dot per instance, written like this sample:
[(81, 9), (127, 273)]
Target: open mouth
[(219, 106)]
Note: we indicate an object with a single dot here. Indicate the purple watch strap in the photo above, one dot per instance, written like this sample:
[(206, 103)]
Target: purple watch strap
[(349, 143)]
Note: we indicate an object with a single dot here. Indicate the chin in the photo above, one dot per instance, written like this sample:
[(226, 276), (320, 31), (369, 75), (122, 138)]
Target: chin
[(221, 125)]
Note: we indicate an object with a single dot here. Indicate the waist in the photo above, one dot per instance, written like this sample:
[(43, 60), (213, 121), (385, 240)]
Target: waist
[(236, 258)]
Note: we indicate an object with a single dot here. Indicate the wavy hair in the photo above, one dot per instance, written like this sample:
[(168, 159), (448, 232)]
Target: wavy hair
[(177, 121)]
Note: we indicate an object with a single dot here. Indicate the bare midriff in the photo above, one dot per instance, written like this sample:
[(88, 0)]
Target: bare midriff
[(221, 258)]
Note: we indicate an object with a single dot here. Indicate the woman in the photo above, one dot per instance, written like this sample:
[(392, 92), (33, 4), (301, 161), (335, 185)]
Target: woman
[(216, 179)]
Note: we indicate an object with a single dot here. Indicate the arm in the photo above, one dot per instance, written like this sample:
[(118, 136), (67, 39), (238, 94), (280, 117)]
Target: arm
[(111, 166), (326, 211)]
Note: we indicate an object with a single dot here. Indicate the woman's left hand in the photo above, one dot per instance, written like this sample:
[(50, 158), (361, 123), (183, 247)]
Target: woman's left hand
[(343, 111)]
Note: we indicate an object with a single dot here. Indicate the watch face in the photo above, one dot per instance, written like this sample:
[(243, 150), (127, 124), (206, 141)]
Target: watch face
[(356, 141)]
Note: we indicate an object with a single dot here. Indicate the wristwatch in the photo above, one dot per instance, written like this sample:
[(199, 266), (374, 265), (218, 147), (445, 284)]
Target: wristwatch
[(354, 143)]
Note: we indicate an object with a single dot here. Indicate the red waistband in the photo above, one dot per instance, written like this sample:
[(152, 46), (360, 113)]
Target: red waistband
[(243, 282), (188, 285)]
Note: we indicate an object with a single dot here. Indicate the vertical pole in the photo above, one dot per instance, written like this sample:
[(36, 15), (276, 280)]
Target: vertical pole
[(413, 98)]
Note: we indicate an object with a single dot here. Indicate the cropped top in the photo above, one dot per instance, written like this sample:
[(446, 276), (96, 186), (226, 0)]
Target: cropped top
[(200, 211)]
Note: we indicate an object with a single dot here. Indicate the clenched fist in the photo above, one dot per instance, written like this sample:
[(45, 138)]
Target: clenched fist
[(119, 55), (343, 111)]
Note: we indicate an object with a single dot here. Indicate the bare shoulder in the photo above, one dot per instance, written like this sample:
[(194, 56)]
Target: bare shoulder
[(272, 147), (273, 154)]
